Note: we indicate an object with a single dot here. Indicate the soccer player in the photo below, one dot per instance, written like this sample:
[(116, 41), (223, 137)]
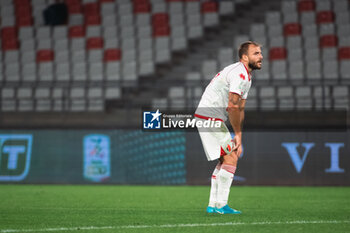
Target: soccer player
[(225, 96)]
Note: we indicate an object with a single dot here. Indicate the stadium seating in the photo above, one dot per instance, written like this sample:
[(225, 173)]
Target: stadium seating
[(107, 45), (104, 42), (306, 48)]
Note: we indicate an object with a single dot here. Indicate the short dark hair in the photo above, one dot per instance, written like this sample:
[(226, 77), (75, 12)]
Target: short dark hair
[(243, 48)]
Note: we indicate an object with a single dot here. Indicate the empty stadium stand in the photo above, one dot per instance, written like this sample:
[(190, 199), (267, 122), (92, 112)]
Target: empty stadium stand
[(305, 47), (104, 43), (113, 55)]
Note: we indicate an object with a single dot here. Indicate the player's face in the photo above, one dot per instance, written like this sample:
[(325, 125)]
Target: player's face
[(254, 57)]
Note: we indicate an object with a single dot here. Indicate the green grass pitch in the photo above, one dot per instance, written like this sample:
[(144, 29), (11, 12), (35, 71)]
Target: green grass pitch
[(107, 209)]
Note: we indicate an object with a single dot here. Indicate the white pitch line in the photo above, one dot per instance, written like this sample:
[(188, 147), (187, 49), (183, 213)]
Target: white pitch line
[(172, 226)]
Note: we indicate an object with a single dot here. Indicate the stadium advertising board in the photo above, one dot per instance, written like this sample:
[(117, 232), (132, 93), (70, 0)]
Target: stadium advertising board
[(15, 156), (97, 166), (98, 156), (284, 158), (170, 158)]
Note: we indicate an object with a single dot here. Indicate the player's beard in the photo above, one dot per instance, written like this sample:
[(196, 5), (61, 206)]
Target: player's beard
[(254, 65)]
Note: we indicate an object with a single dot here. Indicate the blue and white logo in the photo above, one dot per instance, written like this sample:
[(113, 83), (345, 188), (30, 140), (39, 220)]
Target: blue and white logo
[(151, 120), (97, 157), (15, 153)]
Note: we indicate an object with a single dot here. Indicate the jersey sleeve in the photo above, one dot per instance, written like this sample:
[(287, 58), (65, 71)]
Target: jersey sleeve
[(235, 82)]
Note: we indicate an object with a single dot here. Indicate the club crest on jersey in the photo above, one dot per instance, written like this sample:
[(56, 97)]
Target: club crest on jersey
[(242, 76)]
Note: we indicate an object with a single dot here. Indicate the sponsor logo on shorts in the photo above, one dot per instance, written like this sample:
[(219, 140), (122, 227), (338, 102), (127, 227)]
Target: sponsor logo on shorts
[(228, 148)]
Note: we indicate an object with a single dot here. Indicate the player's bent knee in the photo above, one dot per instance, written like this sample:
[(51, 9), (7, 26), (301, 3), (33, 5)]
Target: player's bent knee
[(231, 158), (235, 155)]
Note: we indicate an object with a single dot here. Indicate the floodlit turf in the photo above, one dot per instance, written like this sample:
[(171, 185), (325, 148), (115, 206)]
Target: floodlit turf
[(106, 209)]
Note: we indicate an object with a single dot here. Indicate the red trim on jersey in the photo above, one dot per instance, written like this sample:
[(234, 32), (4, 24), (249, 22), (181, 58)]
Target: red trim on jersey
[(236, 93), (208, 118), (247, 71)]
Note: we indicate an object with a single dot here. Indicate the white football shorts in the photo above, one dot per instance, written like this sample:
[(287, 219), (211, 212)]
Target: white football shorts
[(216, 141)]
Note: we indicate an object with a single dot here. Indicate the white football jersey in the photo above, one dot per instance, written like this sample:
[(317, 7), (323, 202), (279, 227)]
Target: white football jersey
[(214, 102)]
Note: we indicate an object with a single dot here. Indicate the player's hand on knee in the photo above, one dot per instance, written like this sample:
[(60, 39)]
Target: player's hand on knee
[(237, 141)]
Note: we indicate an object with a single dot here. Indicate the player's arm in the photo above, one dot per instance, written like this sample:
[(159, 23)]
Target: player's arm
[(236, 116), (242, 106)]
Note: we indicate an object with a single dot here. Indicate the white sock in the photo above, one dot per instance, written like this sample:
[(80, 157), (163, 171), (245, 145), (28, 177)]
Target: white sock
[(224, 180), (214, 186)]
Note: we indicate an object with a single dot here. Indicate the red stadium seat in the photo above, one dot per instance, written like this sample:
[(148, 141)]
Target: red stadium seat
[(136, 2), (142, 8), (23, 14), (9, 44), (92, 20), (9, 38), (8, 33), (112, 55), (92, 8), (208, 7), (21, 3), (278, 53), (23, 11), (24, 21), (94, 43), (306, 5), (76, 31), (72, 2), (160, 19), (74, 6), (160, 23), (74, 9), (344, 53), (328, 41), (325, 17), (161, 31), (45, 55), (292, 29)]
